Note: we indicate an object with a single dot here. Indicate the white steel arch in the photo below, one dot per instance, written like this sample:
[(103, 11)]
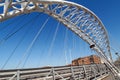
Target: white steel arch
[(77, 18)]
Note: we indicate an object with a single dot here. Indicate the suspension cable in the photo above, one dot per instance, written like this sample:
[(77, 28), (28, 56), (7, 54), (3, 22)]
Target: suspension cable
[(5, 26), (66, 60), (53, 40), (11, 22), (73, 42), (22, 38), (113, 49), (12, 28), (28, 53), (32, 43), (70, 54), (8, 59), (10, 35), (27, 58), (42, 50), (65, 43)]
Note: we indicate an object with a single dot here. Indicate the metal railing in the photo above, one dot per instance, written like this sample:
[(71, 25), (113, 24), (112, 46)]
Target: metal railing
[(85, 72)]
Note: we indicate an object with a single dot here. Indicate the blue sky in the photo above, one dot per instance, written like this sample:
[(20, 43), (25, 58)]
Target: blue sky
[(107, 10)]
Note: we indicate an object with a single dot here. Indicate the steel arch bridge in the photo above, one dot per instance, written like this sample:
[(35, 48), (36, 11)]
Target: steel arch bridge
[(77, 18)]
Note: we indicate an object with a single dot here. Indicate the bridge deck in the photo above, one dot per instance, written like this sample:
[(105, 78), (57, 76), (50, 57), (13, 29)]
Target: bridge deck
[(84, 72)]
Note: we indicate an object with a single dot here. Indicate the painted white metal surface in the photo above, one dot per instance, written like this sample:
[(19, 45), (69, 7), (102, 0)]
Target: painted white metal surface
[(59, 73), (77, 18)]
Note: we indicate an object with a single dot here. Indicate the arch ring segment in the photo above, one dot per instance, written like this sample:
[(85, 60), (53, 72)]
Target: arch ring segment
[(77, 18)]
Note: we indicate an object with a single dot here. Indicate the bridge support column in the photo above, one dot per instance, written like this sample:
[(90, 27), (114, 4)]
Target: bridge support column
[(99, 68), (18, 75), (100, 71), (85, 72), (79, 77), (53, 73), (94, 71), (73, 76)]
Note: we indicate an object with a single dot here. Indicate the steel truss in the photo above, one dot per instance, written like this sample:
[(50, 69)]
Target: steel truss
[(77, 18)]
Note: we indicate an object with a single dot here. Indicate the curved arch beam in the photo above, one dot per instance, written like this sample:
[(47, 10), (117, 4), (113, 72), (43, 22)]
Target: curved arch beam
[(77, 18)]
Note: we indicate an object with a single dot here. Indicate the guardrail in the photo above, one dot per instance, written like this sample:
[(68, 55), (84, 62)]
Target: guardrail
[(85, 72)]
